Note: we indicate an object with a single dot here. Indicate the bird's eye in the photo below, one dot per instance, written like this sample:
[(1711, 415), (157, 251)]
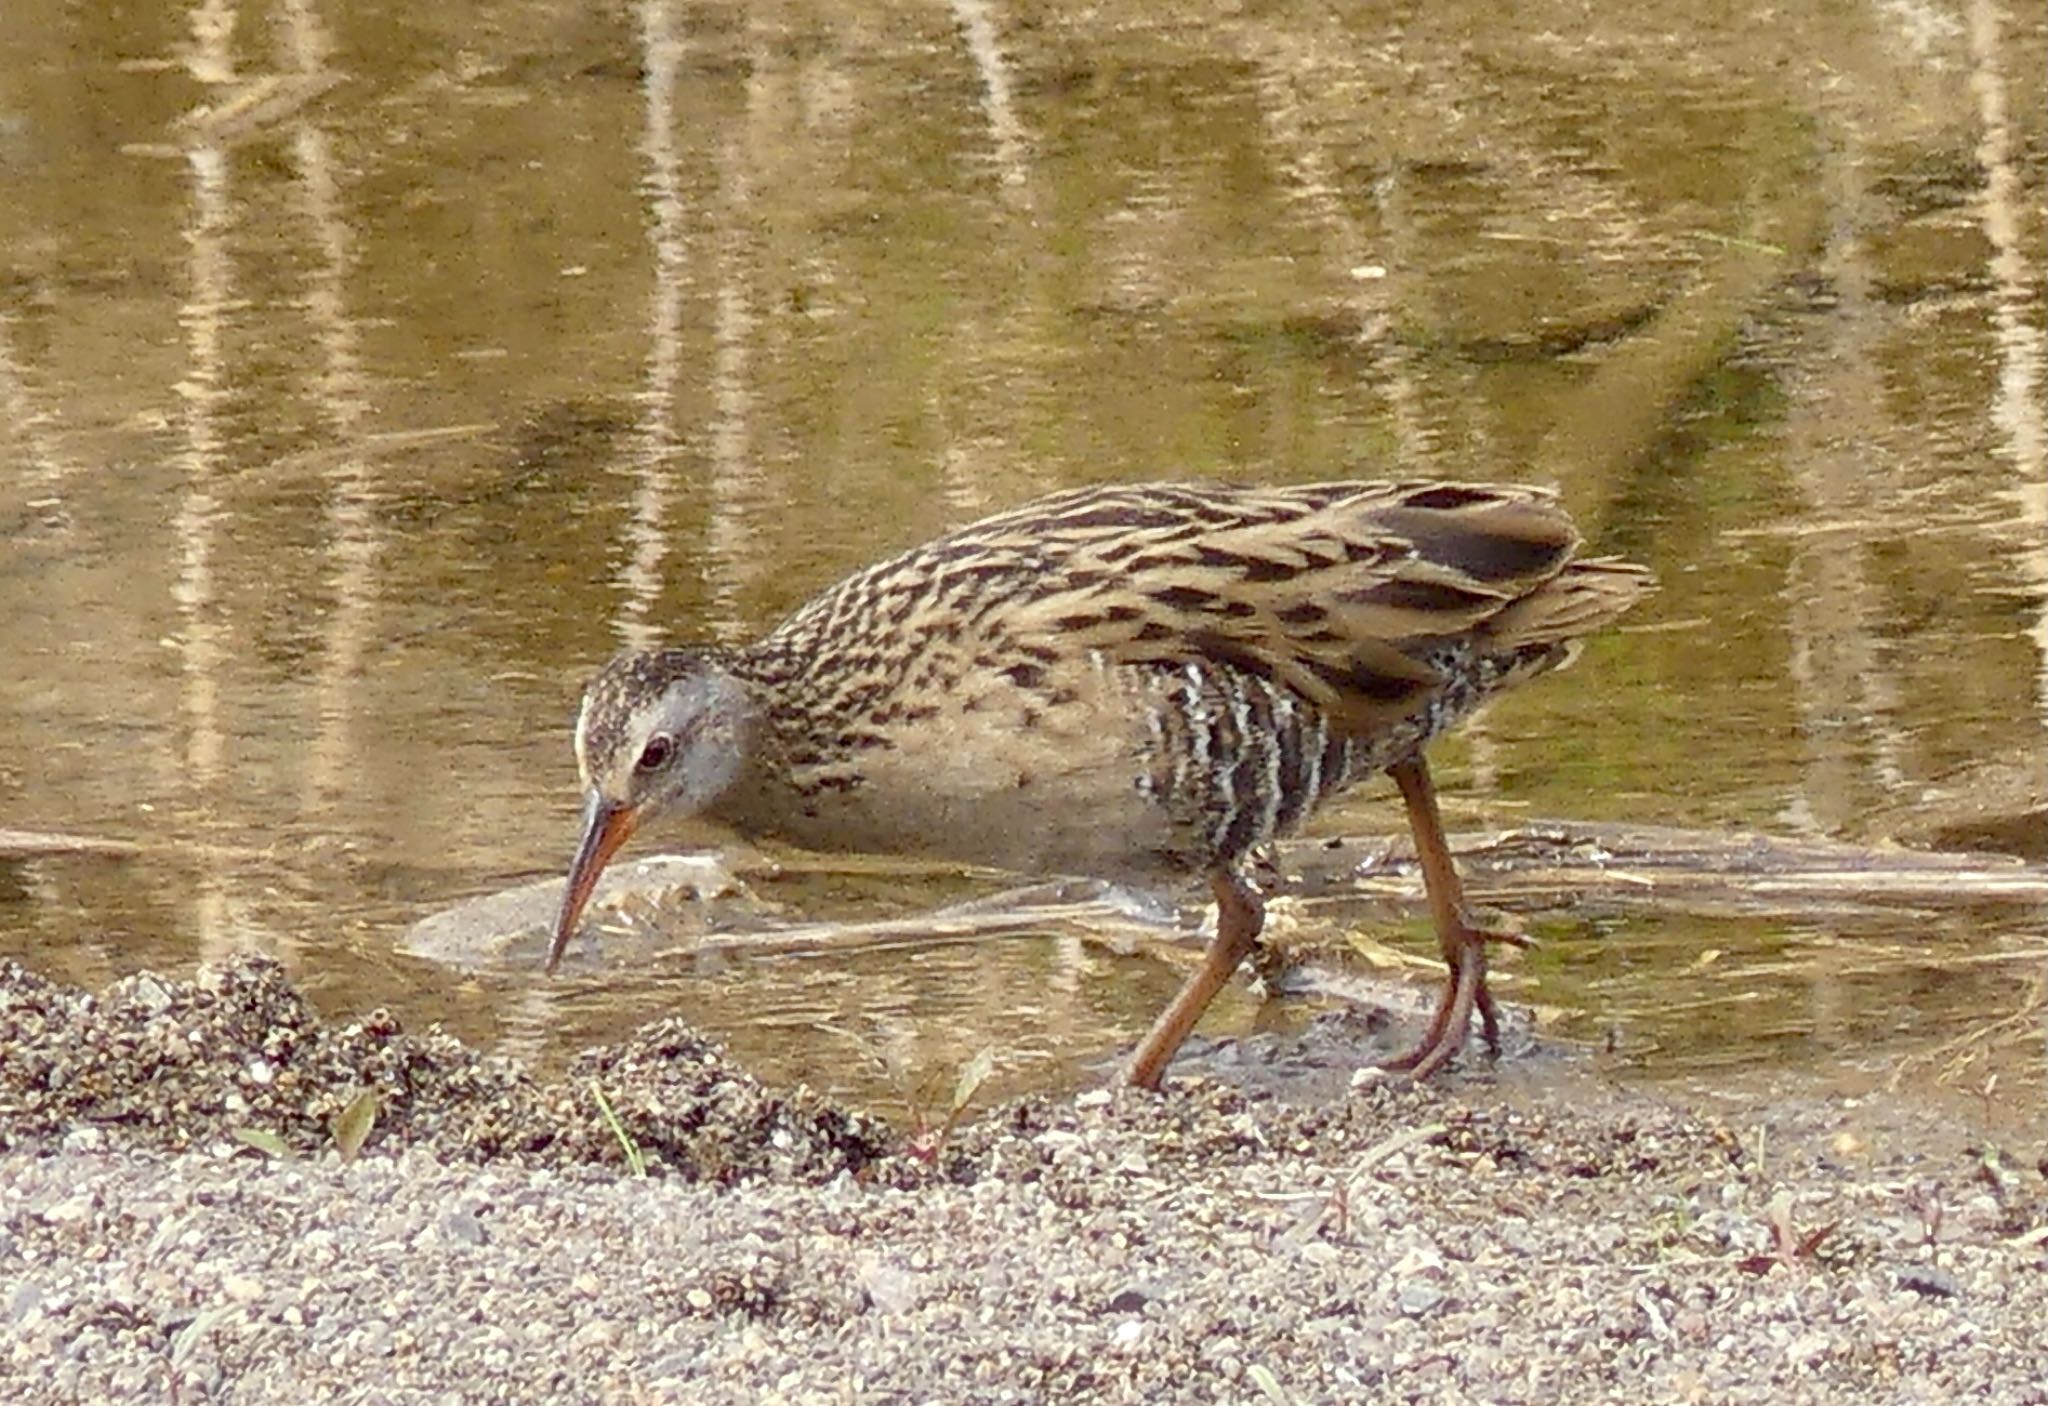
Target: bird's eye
[(654, 756)]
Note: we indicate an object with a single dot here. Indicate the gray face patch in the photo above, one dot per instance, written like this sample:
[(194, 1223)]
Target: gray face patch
[(618, 703), (682, 703)]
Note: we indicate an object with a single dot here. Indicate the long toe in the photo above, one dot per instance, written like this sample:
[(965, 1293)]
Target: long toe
[(1489, 1018), (1446, 1034), (1466, 984), (1439, 1025), (1465, 992)]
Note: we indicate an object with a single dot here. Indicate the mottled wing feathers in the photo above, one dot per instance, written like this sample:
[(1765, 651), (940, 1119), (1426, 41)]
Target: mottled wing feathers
[(1582, 598), (1339, 591)]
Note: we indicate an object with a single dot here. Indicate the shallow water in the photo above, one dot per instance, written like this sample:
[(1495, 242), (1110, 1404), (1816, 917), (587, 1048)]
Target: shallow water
[(366, 377)]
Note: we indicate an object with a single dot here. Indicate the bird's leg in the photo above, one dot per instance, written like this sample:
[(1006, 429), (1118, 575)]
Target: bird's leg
[(1464, 945), (1239, 916)]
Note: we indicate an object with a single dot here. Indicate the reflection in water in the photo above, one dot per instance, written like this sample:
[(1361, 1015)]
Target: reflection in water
[(1006, 133), (2016, 309), (735, 480), (1373, 276), (2019, 342), (640, 581), (196, 528), (975, 450), (1841, 464), (354, 529), (38, 491)]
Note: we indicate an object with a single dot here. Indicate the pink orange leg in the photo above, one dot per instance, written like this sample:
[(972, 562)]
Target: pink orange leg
[(1239, 916), (1464, 946)]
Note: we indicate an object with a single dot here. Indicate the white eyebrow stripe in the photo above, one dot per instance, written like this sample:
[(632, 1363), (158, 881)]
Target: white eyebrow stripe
[(583, 739)]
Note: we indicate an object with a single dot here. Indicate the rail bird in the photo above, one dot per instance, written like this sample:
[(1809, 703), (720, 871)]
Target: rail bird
[(1139, 682)]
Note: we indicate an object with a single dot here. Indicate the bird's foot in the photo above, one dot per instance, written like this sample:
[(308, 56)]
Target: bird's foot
[(1465, 991)]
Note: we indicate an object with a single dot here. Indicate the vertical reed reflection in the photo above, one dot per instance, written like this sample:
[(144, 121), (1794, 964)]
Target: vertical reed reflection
[(1374, 276), (639, 578), (735, 480), (195, 528), (2018, 339), (1844, 692), (978, 459), (1006, 134), (355, 534)]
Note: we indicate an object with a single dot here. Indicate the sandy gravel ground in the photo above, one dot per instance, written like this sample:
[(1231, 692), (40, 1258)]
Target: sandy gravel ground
[(178, 1224)]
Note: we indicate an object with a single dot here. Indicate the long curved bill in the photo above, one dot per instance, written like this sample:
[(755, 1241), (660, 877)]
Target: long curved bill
[(606, 826)]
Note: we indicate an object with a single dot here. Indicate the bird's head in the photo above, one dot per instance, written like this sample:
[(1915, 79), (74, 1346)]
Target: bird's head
[(660, 731)]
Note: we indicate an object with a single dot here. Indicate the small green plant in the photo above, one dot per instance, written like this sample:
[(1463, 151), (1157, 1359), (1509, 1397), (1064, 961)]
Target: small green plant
[(351, 1127), (1269, 1385), (263, 1140), (181, 1346), (928, 1142), (636, 1161)]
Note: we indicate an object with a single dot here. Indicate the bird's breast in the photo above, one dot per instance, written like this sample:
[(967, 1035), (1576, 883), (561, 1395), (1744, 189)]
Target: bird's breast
[(1042, 767)]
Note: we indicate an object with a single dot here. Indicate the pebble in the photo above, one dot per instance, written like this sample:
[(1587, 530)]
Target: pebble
[(72, 1210), (25, 1303), (1416, 1299), (463, 1227), (1930, 1281)]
